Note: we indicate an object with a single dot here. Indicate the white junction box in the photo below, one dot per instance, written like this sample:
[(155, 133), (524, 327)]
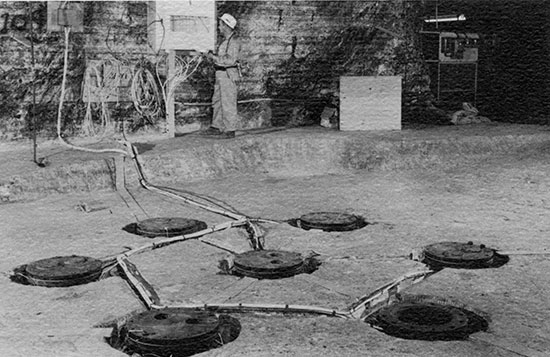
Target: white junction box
[(182, 25), (370, 103)]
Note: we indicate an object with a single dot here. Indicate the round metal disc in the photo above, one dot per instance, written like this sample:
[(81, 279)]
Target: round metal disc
[(454, 254), (425, 317), (171, 331), (63, 270), (168, 226), (426, 321), (331, 221), (268, 263)]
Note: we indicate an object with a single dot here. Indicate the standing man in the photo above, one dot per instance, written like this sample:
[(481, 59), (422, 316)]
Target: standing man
[(224, 101)]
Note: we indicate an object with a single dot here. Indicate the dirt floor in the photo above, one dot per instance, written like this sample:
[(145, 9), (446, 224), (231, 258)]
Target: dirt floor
[(501, 201)]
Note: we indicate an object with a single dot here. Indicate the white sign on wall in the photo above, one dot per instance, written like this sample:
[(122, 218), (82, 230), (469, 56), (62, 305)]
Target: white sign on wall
[(182, 25)]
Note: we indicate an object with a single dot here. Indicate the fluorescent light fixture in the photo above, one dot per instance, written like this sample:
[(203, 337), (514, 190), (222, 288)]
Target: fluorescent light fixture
[(446, 18)]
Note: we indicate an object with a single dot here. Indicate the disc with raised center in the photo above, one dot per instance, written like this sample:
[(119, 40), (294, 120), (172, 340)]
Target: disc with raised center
[(427, 321), (268, 264), (331, 221), (63, 271), (171, 332), (458, 255), (168, 226)]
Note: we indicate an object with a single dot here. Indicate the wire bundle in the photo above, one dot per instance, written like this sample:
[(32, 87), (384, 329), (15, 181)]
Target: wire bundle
[(184, 68), (102, 80), (145, 93)]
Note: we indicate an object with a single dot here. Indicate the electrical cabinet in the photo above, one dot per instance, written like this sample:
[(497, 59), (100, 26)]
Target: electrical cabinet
[(182, 25), (65, 14), (452, 63)]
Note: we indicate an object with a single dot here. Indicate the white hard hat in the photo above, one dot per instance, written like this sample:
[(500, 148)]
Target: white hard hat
[(229, 20)]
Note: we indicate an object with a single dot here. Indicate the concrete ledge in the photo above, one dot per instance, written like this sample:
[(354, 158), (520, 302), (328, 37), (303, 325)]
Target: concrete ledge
[(292, 152)]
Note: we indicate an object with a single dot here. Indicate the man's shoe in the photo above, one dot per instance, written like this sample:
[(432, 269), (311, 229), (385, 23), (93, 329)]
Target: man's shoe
[(226, 135), (211, 131)]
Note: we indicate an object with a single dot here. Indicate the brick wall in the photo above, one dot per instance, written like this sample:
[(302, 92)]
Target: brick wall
[(116, 29), (295, 52)]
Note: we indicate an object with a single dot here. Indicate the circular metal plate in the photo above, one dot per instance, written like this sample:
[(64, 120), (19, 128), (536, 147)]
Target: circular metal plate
[(426, 321), (168, 226), (454, 254), (268, 264), (426, 317), (171, 331), (331, 221), (63, 271)]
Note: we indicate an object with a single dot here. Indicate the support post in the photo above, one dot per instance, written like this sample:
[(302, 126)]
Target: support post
[(170, 105)]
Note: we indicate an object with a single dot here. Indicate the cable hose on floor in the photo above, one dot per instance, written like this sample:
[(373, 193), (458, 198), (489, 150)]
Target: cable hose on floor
[(131, 148)]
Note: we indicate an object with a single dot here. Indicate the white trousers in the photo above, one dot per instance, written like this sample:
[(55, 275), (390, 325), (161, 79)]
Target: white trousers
[(224, 103)]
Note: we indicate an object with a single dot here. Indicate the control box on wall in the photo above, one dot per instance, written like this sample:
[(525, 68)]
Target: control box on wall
[(459, 47), (63, 14), (450, 46), (182, 25)]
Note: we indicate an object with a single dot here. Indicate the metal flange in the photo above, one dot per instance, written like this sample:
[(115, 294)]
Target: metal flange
[(171, 332), (461, 255), (427, 321), (268, 264), (62, 271), (168, 226), (330, 221)]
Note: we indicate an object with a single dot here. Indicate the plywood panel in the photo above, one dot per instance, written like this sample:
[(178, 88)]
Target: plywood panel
[(370, 103)]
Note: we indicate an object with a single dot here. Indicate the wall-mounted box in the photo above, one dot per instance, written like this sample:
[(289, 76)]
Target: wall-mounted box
[(370, 103), (182, 25), (63, 14), (450, 46), (458, 47)]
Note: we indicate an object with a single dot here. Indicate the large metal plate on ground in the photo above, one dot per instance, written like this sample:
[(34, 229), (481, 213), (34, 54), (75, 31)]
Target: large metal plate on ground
[(172, 332), (428, 321), (168, 226), (63, 271), (268, 264), (331, 221), (458, 255)]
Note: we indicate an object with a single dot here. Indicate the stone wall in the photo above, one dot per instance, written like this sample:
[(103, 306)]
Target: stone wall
[(111, 29), (295, 53), (297, 50)]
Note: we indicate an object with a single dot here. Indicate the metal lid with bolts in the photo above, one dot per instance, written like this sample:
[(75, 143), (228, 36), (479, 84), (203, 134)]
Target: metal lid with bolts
[(63, 271), (171, 332), (427, 321), (461, 255), (331, 221), (268, 264), (168, 227)]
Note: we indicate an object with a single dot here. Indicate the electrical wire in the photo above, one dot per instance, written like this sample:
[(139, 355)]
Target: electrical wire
[(67, 31), (145, 93), (33, 110)]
